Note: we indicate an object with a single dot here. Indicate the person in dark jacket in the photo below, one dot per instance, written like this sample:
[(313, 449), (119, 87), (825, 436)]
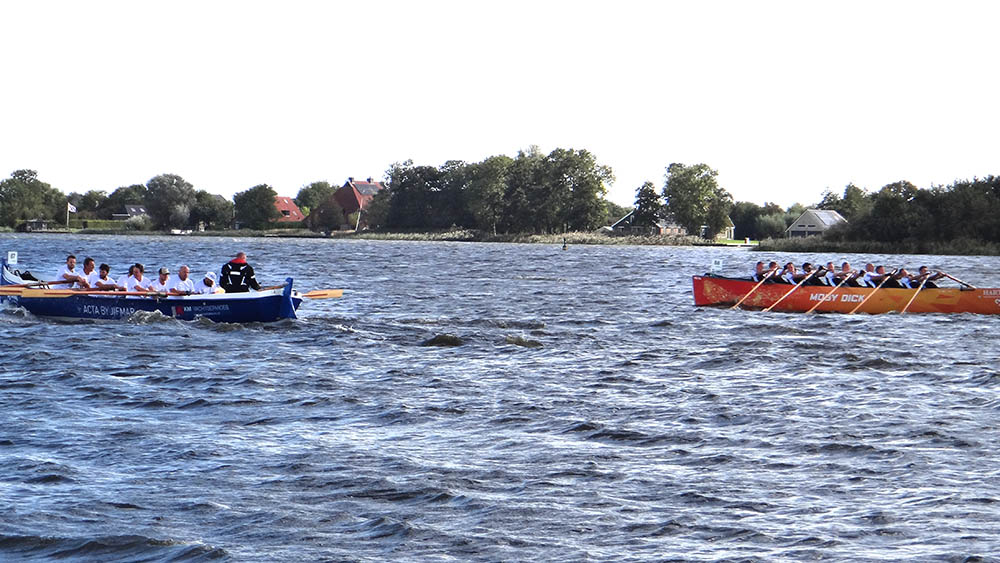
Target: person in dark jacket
[(237, 275)]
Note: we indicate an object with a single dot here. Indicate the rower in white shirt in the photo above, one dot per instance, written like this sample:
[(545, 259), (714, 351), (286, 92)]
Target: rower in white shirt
[(103, 279), (136, 282), (123, 280), (866, 277), (68, 272), (88, 274), (92, 275), (162, 283), (207, 285), (830, 277), (182, 284)]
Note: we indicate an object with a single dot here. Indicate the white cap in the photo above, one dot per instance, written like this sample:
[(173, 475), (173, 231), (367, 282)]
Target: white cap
[(210, 275)]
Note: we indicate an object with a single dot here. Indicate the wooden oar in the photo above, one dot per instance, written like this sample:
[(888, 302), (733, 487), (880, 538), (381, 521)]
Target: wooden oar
[(324, 293), (798, 285), (37, 283), (753, 289), (823, 300), (953, 278), (915, 293), (60, 293), (869, 296)]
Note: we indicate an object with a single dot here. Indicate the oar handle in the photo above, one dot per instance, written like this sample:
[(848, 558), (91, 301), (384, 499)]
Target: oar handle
[(37, 283), (953, 278)]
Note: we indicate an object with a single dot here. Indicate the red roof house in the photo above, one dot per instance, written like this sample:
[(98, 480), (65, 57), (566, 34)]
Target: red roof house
[(353, 196), (289, 211)]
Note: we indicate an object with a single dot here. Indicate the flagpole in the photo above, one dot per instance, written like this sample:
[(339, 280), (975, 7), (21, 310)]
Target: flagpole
[(67, 214)]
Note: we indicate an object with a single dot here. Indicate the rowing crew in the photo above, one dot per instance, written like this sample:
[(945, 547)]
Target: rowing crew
[(135, 281), (830, 275)]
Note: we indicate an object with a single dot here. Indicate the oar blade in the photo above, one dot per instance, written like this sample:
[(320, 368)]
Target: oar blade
[(324, 294)]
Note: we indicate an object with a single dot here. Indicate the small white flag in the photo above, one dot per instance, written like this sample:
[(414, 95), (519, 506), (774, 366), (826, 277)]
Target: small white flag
[(70, 207)]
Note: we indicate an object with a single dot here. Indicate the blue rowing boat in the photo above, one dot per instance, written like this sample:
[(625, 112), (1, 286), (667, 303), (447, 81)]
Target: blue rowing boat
[(42, 301)]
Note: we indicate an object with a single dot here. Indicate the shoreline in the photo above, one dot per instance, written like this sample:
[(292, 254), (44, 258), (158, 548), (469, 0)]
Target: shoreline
[(807, 245), (815, 244), (454, 235)]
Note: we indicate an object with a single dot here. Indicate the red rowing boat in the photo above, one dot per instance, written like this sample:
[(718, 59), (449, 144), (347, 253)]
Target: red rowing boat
[(720, 291)]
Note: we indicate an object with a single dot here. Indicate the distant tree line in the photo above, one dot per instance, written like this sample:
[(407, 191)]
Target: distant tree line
[(897, 212), (965, 210), (531, 193), (170, 202)]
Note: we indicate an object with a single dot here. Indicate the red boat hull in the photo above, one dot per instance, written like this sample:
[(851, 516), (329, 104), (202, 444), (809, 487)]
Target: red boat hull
[(719, 291)]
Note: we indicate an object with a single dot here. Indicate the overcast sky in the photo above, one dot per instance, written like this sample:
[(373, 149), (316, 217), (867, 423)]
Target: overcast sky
[(784, 99)]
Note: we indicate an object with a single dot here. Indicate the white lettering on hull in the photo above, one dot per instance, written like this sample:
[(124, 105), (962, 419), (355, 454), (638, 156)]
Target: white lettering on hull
[(106, 311), (844, 298)]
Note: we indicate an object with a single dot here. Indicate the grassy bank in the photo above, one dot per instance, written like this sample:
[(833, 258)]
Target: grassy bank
[(470, 235), (450, 235), (959, 247)]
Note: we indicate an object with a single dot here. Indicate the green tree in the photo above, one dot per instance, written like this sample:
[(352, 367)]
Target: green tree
[(744, 215), (968, 209), (87, 204), (487, 184), (310, 197), (575, 185), (90, 203), (23, 196), (169, 201), (413, 192), (854, 204), (717, 218), (524, 176), (695, 199), (894, 215), (326, 216), (770, 225), (255, 207), (377, 210), (450, 205), (648, 205), (212, 210)]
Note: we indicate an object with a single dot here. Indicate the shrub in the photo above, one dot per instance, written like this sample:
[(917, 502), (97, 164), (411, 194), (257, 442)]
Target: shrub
[(139, 223)]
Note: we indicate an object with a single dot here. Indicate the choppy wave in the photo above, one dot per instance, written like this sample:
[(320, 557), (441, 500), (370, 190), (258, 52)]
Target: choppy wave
[(580, 411), (107, 548)]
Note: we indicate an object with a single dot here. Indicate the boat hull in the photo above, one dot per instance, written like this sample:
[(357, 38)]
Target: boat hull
[(263, 306), (719, 291)]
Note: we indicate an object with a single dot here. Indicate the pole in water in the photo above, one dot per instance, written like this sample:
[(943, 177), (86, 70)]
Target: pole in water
[(564, 244)]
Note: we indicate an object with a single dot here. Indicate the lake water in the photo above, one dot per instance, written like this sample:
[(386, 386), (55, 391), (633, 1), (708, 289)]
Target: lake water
[(588, 412)]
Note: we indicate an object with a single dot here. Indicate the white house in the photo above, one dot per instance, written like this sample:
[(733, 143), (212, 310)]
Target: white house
[(814, 222)]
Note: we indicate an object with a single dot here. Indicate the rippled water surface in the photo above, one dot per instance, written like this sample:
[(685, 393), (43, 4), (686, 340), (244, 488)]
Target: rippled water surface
[(583, 409)]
